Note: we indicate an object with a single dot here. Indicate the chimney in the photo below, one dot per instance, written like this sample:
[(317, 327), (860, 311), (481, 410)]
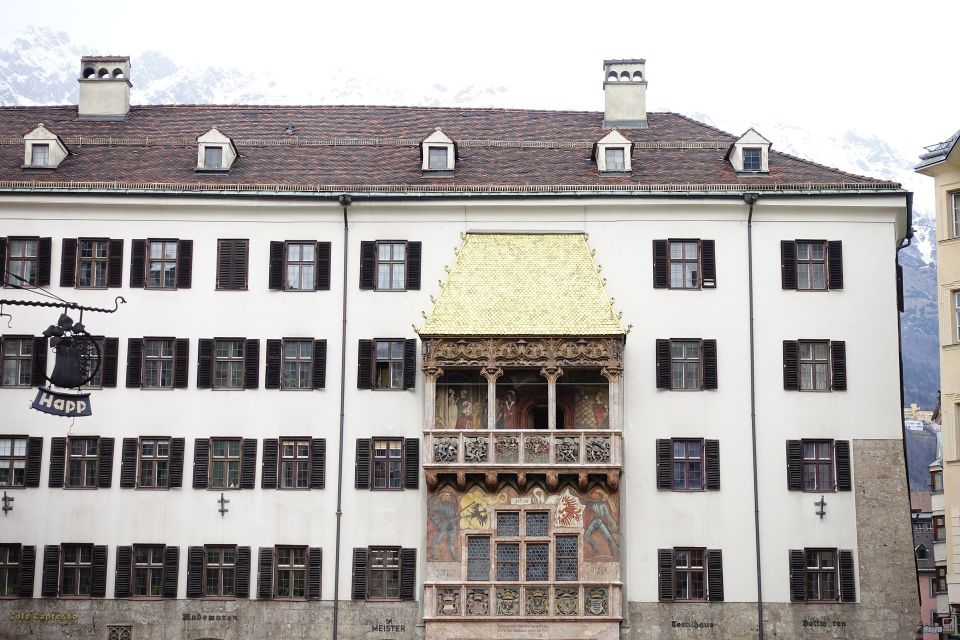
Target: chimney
[(104, 88), (625, 94)]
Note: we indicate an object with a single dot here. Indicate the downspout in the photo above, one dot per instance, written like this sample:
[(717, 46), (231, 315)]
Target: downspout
[(345, 202), (751, 199)]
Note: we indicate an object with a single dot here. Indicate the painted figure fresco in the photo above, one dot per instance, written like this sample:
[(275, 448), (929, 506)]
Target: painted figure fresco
[(444, 516), (602, 534), (461, 407)]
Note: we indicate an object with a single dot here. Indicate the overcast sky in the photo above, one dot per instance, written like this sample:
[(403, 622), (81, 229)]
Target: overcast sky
[(880, 67)]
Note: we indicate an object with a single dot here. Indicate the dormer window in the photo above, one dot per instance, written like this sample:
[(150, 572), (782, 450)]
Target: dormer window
[(212, 157), (750, 154), (612, 153), (215, 152), (39, 155), (614, 159), (43, 149), (438, 153), (752, 159), (437, 159)]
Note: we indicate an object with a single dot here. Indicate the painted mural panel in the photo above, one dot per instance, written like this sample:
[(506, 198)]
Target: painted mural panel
[(461, 402)]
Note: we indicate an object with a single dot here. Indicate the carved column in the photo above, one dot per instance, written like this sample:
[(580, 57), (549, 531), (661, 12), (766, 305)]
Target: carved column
[(491, 374), (430, 375), (551, 374), (612, 374)]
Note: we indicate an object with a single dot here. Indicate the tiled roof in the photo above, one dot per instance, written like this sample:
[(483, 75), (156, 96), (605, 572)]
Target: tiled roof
[(521, 284), (920, 500), (377, 149)]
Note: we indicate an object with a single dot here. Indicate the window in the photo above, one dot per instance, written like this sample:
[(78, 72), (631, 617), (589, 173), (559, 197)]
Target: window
[(811, 265), (154, 463), (684, 264), (92, 258), (96, 381), (76, 570), (219, 571), (148, 570), (297, 364), (955, 202), (162, 264), (232, 260), (82, 458), (212, 157), (939, 528), (291, 572), (523, 549), (940, 580), (13, 462), (814, 365), (566, 557), (391, 266), (818, 465), (956, 316), (9, 569), (689, 575), (437, 160), (387, 464), (301, 266), (687, 465), (388, 366), (17, 361), (921, 552), (383, 578), (478, 558), (936, 481), (614, 159), (752, 159), (22, 261), (39, 155), (294, 464), (157, 363), (225, 463), (821, 575), (684, 364), (228, 365)]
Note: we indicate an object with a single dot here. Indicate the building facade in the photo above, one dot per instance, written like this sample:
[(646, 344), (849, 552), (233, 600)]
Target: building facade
[(390, 372)]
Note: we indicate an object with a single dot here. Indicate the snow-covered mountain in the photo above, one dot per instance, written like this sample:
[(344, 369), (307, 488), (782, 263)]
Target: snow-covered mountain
[(40, 66)]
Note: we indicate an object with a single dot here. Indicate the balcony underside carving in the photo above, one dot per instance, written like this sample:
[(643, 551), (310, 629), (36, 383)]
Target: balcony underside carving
[(493, 479), (550, 353)]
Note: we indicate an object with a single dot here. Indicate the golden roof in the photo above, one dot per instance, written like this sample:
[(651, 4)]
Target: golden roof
[(523, 284)]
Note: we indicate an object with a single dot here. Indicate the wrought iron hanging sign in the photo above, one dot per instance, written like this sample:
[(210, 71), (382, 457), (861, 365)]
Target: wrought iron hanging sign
[(77, 362)]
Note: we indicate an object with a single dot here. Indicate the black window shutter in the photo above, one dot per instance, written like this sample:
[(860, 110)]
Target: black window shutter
[(318, 463), (185, 264), (711, 451), (58, 460), (323, 267), (181, 363), (51, 571), (358, 589), (848, 590), (414, 249), (663, 364), (251, 364), (710, 364), (714, 575), (791, 369), (98, 579), (368, 259), (268, 475), (28, 563), (271, 377), (362, 480), (115, 263), (794, 465), (408, 574), (204, 363), (410, 364), (135, 363), (105, 463), (665, 563), (177, 446), (34, 456), (900, 288), (841, 449), (248, 466), (265, 571), (38, 374), (68, 262), (138, 262), (128, 463), (835, 264), (194, 572), (411, 463), (44, 251), (201, 459), (665, 464), (111, 350), (708, 263), (224, 264), (365, 365), (121, 585), (243, 571), (315, 561), (838, 355), (171, 571), (788, 264), (319, 364), (798, 590), (3, 253), (661, 279), (275, 272)]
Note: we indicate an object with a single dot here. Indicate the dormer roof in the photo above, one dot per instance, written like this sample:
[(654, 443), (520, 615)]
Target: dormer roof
[(751, 139), (214, 139), (56, 150), (438, 140), (613, 140)]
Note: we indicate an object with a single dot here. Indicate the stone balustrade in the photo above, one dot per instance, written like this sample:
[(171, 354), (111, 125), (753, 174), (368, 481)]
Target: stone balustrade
[(533, 600), (530, 449)]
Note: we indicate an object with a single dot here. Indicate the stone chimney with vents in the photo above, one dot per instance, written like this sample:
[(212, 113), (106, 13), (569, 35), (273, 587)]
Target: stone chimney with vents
[(104, 88), (625, 94)]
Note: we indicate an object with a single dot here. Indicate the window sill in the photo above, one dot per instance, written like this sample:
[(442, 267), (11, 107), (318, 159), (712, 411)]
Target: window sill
[(390, 290), (212, 170), (615, 174), (219, 598), (143, 388), (35, 167)]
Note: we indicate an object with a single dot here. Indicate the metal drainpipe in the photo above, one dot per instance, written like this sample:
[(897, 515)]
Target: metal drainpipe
[(345, 201), (751, 199)]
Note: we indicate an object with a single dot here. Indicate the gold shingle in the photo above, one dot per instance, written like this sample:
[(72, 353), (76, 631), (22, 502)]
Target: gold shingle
[(518, 284)]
